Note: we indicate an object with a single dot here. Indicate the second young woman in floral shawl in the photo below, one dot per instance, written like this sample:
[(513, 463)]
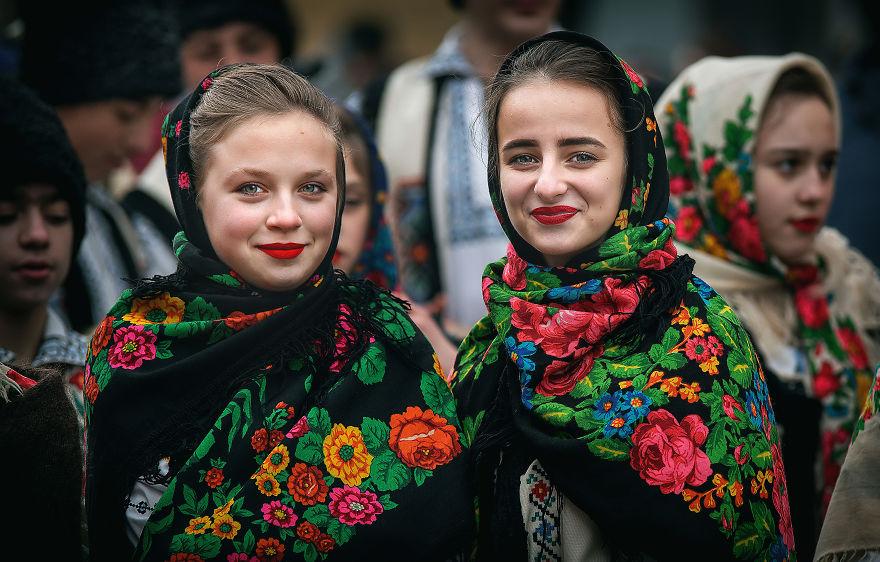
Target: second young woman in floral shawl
[(612, 402)]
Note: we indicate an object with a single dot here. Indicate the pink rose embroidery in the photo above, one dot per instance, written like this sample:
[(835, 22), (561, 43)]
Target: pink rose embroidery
[(679, 185), (780, 498), (514, 269), (183, 180), (688, 224), (667, 453), (131, 346), (299, 429), (354, 507), (278, 514), (632, 74)]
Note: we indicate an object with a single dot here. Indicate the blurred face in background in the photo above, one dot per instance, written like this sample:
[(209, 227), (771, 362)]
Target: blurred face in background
[(358, 206), (206, 49), (105, 134), (513, 20), (795, 164), (36, 243)]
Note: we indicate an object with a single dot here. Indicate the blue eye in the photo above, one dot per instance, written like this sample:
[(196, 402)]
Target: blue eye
[(249, 189), (523, 159), (312, 188), (583, 158)]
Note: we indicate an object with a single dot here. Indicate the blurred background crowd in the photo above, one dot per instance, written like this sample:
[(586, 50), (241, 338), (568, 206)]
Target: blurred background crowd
[(345, 45)]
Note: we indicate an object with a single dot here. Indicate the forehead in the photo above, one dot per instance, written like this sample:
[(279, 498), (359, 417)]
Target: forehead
[(798, 120), (286, 142), (33, 193), (560, 105)]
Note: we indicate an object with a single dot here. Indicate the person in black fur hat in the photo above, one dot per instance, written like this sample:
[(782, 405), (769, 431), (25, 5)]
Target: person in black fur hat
[(42, 223), (105, 66)]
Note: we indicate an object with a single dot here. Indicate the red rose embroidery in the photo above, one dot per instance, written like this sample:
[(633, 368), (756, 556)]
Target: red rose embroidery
[(214, 477), (306, 484), (826, 381), (813, 310), (102, 335), (307, 531), (260, 440), (852, 343), (667, 453), (183, 180), (682, 139), (657, 259), (422, 439), (744, 235), (324, 543)]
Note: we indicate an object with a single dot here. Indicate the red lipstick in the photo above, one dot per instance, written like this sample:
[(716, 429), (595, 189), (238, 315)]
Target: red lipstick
[(807, 226), (554, 215), (283, 250)]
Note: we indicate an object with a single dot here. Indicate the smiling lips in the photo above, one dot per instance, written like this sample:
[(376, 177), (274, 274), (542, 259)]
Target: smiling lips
[(807, 226), (554, 215), (282, 251)]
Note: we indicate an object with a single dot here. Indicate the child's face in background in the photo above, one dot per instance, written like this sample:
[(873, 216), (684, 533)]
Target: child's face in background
[(36, 243), (795, 164), (358, 205), (268, 198), (105, 134)]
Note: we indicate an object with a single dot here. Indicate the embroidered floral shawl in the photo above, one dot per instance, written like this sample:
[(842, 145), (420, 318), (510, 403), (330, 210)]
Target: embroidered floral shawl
[(712, 111), (667, 442), (308, 424)]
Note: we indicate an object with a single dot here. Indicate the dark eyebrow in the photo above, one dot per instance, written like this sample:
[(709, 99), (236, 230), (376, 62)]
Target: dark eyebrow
[(519, 143), (254, 172), (800, 152), (571, 141), (578, 141)]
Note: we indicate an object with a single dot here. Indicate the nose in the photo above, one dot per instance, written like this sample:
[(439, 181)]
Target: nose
[(816, 186), (34, 232), (550, 183), (283, 215)]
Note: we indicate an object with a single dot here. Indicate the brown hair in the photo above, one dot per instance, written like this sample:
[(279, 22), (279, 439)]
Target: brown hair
[(252, 90), (797, 82), (553, 61)]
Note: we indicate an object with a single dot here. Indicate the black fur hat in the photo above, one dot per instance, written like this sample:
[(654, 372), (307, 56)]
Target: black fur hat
[(36, 149), (79, 52), (271, 15)]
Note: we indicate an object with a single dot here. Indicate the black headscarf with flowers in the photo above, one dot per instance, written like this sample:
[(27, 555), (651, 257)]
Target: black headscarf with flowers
[(314, 421), (663, 435)]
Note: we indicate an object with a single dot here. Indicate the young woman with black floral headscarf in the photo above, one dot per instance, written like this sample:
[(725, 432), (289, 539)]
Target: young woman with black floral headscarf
[(613, 403), (752, 165), (257, 404)]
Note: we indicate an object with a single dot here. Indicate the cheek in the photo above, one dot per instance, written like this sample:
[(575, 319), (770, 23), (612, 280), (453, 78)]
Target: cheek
[(771, 201), (321, 219)]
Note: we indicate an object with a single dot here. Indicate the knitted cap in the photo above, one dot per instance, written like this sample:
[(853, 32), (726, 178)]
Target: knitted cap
[(271, 15), (89, 51), (36, 150)]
